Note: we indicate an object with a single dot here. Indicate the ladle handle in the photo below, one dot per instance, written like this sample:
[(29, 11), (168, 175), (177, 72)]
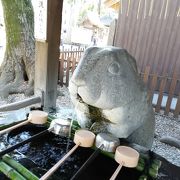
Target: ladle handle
[(36, 136), (14, 127), (56, 166), (113, 177)]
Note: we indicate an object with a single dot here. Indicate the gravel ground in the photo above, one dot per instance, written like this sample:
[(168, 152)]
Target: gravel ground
[(165, 126)]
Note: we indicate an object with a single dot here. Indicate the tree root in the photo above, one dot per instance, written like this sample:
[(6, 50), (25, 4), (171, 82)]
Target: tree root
[(16, 88)]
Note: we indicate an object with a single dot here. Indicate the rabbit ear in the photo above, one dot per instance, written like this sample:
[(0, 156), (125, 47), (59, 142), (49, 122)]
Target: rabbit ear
[(91, 50), (132, 62)]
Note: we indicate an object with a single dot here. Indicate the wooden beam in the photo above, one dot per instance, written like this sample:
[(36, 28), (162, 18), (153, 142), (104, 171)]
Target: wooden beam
[(47, 56)]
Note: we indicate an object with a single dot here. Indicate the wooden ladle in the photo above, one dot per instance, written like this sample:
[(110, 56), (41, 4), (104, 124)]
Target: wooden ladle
[(125, 156), (83, 138), (104, 142), (35, 117)]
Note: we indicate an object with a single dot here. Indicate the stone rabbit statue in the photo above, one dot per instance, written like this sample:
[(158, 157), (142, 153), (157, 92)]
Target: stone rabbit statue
[(109, 95)]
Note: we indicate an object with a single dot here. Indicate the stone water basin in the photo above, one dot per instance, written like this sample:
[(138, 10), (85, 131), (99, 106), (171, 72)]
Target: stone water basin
[(43, 153)]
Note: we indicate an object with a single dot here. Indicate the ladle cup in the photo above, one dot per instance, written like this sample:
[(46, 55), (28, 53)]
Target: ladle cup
[(105, 142), (55, 127), (83, 138), (61, 127), (35, 117), (125, 156)]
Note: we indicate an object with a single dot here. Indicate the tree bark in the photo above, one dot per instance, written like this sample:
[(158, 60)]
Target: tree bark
[(17, 69)]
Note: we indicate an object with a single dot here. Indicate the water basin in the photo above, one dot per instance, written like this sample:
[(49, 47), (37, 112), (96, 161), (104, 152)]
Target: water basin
[(43, 153)]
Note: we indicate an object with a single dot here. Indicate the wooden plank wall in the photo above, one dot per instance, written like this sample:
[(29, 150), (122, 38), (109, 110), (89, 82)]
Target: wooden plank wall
[(150, 31)]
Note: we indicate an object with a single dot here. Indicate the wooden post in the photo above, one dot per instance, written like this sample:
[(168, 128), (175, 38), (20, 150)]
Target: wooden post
[(152, 87), (161, 91), (47, 55), (146, 75), (177, 109), (171, 93)]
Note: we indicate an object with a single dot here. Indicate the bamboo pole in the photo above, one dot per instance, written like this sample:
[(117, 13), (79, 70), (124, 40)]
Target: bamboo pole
[(18, 167), (10, 172)]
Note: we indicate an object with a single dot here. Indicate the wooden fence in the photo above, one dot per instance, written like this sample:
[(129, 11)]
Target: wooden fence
[(68, 61), (156, 85)]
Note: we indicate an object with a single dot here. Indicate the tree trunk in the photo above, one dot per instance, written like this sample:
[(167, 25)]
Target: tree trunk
[(17, 69)]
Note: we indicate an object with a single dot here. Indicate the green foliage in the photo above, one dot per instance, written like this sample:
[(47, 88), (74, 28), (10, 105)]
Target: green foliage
[(71, 2), (82, 15), (91, 7), (84, 12)]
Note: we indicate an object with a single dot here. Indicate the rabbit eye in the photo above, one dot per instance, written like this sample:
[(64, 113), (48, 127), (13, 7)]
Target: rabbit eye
[(114, 68)]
